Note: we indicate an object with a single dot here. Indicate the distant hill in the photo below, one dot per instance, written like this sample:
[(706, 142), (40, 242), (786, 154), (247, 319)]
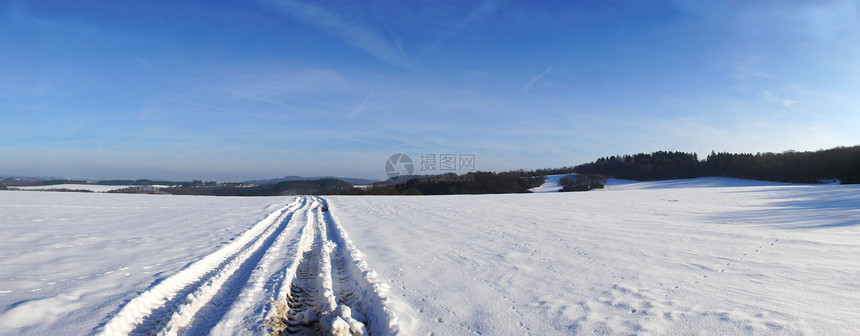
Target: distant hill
[(17, 181), (353, 181)]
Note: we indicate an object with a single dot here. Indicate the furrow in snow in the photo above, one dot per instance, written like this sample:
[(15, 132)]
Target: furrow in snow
[(169, 302)]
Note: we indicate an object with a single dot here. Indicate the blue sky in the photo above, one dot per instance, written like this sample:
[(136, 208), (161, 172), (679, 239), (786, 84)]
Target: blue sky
[(235, 90)]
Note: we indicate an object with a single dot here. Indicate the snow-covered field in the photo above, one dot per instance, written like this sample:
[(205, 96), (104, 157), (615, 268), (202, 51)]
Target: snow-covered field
[(703, 256), (552, 183)]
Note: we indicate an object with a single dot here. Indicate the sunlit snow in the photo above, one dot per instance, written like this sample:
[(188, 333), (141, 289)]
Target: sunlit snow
[(702, 256)]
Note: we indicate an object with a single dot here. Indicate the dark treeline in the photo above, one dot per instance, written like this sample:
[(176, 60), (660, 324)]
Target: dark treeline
[(13, 182), (550, 171), (2, 187), (138, 182), (531, 178), (641, 167), (582, 182), (70, 190), (840, 163), (471, 183), (449, 184), (145, 182), (28, 183), (311, 187)]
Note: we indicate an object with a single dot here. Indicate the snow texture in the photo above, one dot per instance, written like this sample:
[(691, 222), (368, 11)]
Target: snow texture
[(708, 256), (235, 288)]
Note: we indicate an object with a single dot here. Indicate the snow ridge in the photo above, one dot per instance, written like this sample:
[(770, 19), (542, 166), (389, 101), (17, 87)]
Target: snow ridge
[(170, 306), (332, 290), (370, 293), (259, 298)]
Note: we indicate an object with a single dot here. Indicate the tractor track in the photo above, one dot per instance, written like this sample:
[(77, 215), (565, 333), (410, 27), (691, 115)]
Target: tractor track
[(295, 272)]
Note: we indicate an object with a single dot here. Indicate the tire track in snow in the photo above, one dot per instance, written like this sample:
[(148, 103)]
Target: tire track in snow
[(275, 278), (259, 297), (173, 304), (332, 290), (226, 296), (304, 287)]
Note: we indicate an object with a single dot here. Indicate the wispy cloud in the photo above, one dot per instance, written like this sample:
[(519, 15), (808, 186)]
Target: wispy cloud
[(217, 108), (535, 79), (349, 31), (366, 104), (273, 86), (486, 8), (748, 69), (772, 98)]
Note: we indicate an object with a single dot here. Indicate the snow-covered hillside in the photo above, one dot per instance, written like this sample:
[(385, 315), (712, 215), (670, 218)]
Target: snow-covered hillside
[(551, 184), (703, 256)]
